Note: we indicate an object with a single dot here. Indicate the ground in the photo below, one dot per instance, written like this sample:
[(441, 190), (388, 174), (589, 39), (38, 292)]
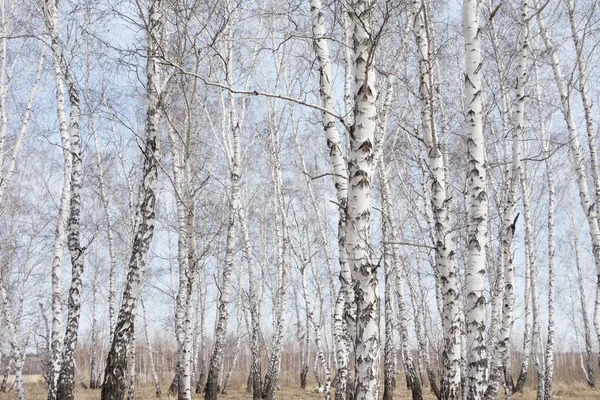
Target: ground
[(35, 390)]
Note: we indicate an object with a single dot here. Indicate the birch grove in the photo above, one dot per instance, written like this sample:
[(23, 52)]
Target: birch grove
[(342, 200)]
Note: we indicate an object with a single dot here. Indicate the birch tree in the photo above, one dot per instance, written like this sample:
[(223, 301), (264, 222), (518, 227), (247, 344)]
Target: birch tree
[(501, 349), (478, 199), (360, 166), (113, 387), (51, 20)]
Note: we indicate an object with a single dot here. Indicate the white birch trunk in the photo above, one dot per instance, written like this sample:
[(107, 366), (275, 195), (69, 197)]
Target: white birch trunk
[(522, 378), (360, 166), (502, 347), (150, 353), (549, 356), (586, 200), (255, 368), (66, 381), (446, 269), (535, 311), (184, 293), (340, 178), (131, 367), (283, 262), (477, 216), (113, 387), (51, 19), (212, 384), (317, 330)]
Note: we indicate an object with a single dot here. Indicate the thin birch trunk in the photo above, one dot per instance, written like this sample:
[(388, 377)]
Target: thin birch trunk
[(212, 383), (157, 392), (586, 199), (94, 339), (255, 367), (184, 293), (236, 350), (522, 378), (445, 266), (113, 387), (502, 346), (392, 256), (51, 19), (549, 357), (66, 380), (530, 242), (317, 330), (283, 262), (340, 179)]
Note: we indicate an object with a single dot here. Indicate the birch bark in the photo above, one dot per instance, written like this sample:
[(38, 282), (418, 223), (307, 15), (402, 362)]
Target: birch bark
[(340, 179), (477, 216), (549, 356), (51, 20), (66, 380), (440, 203), (502, 346), (360, 166), (586, 200), (113, 387)]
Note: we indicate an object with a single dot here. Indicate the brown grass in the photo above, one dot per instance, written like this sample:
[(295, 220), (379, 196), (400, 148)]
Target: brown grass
[(35, 390)]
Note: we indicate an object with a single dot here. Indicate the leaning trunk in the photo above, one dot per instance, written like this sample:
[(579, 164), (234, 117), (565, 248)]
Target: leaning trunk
[(114, 385)]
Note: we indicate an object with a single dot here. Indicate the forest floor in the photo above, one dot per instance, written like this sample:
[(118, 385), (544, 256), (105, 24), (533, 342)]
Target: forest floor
[(35, 390)]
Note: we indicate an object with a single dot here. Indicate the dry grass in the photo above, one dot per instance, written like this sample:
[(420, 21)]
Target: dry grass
[(35, 390)]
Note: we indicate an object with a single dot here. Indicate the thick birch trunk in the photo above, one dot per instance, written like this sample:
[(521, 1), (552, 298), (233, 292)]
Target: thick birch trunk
[(477, 216), (113, 387), (360, 166), (592, 145)]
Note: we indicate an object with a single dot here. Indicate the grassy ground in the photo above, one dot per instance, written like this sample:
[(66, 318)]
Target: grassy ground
[(35, 390)]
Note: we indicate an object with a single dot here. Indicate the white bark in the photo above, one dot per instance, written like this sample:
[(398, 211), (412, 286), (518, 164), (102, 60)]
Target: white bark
[(502, 346), (225, 289), (150, 352), (445, 266), (586, 200), (360, 166), (340, 179), (113, 387), (51, 19), (283, 262), (478, 208), (6, 177), (317, 330)]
